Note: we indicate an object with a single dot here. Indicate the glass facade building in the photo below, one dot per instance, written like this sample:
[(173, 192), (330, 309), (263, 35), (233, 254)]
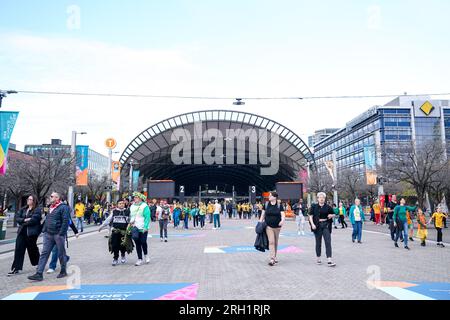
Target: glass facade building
[(97, 163), (404, 120)]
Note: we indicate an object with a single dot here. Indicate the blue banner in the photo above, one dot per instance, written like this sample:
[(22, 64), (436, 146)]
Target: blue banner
[(370, 158), (135, 179), (7, 122), (82, 161)]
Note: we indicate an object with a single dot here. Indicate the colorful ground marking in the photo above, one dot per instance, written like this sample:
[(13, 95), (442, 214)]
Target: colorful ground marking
[(154, 291), (414, 290)]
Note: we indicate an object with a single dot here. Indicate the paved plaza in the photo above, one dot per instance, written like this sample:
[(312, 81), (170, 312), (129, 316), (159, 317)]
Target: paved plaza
[(221, 264)]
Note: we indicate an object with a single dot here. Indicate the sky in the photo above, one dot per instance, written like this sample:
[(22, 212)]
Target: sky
[(233, 48)]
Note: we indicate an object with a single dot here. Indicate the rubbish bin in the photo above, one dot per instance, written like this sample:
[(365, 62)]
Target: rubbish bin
[(3, 223)]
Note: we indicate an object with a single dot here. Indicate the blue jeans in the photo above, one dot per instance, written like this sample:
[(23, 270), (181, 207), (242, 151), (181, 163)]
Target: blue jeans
[(54, 259), (216, 220), (404, 232), (176, 220), (357, 230), (186, 221), (79, 225)]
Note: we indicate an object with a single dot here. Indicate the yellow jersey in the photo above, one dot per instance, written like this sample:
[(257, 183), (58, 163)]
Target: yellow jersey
[(79, 210), (438, 219)]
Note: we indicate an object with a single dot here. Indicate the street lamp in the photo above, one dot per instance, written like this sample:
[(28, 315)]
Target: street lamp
[(73, 155)]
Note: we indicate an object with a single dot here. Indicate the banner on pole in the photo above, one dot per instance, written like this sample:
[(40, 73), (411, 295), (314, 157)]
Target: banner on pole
[(115, 174), (7, 122), (82, 160), (135, 179), (371, 165)]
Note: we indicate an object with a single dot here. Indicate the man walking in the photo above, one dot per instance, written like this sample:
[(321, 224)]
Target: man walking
[(55, 229), (79, 214)]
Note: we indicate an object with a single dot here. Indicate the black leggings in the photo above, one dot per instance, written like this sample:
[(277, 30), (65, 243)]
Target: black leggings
[(141, 244), (116, 240), (323, 231), (342, 221), (439, 234)]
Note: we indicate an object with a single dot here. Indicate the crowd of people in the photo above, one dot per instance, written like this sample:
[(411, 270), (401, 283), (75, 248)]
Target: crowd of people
[(128, 224)]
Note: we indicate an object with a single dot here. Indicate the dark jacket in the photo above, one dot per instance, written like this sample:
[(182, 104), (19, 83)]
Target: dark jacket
[(314, 212), (262, 241), (57, 222), (32, 227)]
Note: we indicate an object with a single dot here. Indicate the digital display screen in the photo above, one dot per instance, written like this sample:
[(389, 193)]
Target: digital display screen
[(161, 189), (289, 191)]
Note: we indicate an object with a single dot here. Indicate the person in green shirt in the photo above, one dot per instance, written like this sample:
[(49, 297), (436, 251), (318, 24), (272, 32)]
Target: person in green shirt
[(342, 214), (139, 223), (401, 221)]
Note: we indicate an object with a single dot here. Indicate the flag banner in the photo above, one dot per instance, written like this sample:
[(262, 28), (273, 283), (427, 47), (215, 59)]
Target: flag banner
[(115, 174), (7, 122), (82, 160), (303, 175), (3, 167), (135, 179), (371, 165), (330, 167)]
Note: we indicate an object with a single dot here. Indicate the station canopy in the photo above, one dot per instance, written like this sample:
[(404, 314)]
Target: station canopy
[(151, 152)]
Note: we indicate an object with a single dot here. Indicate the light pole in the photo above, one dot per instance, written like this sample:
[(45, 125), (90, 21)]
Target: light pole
[(73, 153), (335, 193), (110, 183), (4, 93)]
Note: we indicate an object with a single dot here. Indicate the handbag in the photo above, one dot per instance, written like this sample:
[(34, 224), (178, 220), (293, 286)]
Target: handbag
[(135, 233)]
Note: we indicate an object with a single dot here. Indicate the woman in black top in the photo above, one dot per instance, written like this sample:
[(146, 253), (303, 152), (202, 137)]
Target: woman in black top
[(321, 220), (29, 221), (273, 215)]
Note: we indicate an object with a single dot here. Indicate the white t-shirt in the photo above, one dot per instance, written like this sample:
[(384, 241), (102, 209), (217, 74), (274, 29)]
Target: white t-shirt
[(217, 208), (357, 214)]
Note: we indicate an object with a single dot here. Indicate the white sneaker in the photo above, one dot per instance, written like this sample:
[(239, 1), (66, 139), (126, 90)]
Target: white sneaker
[(162, 240), (303, 233), (115, 263), (214, 228), (138, 263), (147, 259), (298, 232), (123, 260), (50, 271)]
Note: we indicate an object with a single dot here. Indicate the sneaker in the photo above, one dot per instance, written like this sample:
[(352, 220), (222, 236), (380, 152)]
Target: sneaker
[(115, 263), (162, 239), (396, 244), (411, 239), (147, 259), (49, 271), (303, 233), (298, 233), (123, 260), (442, 245), (353, 240), (62, 274), (13, 273), (319, 262), (423, 244), (36, 277), (138, 263), (360, 242), (214, 228), (165, 240), (407, 248), (335, 227), (331, 264)]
